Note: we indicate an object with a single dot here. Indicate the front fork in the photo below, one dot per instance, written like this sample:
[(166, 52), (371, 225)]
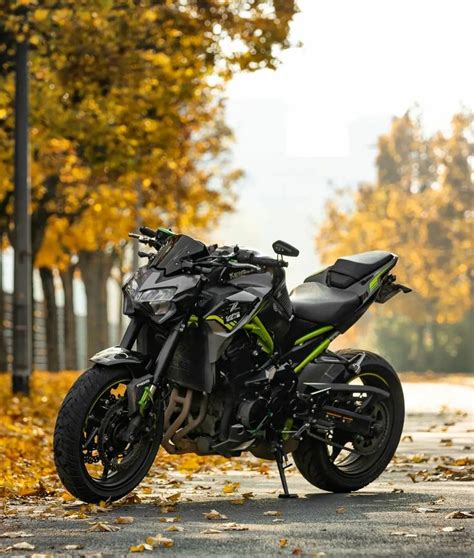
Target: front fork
[(140, 397)]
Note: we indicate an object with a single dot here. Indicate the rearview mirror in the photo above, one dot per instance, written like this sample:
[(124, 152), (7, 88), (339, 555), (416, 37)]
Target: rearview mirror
[(284, 249)]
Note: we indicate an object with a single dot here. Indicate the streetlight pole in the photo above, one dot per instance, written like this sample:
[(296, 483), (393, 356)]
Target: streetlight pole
[(22, 297)]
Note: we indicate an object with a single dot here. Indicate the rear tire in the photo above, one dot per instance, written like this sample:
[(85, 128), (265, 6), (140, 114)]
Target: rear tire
[(312, 457), (69, 437)]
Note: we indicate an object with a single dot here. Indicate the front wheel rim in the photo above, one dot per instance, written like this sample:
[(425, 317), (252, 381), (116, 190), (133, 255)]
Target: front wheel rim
[(103, 453)]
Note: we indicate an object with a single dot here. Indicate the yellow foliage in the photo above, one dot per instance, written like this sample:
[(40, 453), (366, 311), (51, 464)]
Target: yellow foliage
[(121, 96), (420, 210), (26, 431)]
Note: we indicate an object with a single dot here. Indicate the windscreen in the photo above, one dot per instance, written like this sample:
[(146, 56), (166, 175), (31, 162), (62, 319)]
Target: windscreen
[(177, 248)]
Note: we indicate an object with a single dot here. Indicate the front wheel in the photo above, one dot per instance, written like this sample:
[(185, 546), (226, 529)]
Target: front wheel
[(94, 459), (362, 459)]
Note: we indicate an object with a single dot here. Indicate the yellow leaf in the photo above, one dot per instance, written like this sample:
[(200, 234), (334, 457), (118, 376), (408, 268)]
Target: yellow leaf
[(231, 487), (158, 540), (122, 520), (40, 14)]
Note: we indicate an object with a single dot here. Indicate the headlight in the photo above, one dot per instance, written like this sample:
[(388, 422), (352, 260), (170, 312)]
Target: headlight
[(156, 295), (158, 301)]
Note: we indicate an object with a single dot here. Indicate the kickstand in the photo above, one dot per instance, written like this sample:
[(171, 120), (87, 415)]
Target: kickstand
[(281, 470)]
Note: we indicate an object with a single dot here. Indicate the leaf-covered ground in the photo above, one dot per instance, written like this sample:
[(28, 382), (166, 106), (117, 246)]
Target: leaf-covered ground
[(26, 432), (194, 506)]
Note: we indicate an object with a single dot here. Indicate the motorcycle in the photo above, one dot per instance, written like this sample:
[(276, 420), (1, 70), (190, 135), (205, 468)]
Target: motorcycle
[(219, 359)]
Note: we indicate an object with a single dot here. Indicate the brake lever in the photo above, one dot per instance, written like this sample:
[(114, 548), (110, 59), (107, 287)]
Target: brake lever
[(243, 266), (145, 240)]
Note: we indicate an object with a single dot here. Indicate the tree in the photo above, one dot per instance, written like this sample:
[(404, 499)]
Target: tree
[(127, 119), (419, 208)]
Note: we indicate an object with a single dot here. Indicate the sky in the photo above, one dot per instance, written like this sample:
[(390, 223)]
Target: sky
[(312, 125)]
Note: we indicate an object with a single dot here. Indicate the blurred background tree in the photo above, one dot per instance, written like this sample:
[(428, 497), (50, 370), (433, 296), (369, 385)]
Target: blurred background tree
[(420, 207), (127, 127)]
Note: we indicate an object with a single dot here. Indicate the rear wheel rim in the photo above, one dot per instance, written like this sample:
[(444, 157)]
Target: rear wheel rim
[(369, 449)]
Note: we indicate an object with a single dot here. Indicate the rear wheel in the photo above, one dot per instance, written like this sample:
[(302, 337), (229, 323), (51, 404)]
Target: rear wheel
[(93, 456), (362, 458)]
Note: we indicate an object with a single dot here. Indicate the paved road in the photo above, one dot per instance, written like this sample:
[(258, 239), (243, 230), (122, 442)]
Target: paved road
[(359, 524)]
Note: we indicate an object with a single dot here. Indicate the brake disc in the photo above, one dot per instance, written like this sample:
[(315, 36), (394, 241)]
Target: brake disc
[(367, 445)]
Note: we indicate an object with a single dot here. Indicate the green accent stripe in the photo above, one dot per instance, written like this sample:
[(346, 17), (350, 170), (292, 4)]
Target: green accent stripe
[(375, 280), (313, 334), (313, 354), (219, 320)]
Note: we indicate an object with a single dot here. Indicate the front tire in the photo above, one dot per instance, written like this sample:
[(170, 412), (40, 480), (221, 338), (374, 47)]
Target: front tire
[(88, 407), (313, 458)]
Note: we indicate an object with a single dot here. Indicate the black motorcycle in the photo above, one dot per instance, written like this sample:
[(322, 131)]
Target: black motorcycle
[(219, 359)]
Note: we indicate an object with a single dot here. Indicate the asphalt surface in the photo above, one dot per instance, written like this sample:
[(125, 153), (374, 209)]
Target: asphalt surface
[(388, 518)]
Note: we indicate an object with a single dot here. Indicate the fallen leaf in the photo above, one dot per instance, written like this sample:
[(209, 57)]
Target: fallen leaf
[(238, 501), (124, 519), (67, 497), (460, 515), (15, 535), (211, 532), (282, 543), (278, 520), (398, 491), (158, 540), (175, 528), (438, 501), (231, 487), (140, 548), (407, 438), (174, 497), (297, 551), (169, 519), (403, 534), (104, 528), (232, 527), (248, 495), (132, 499), (341, 509), (452, 529), (426, 510), (168, 509), (273, 513), (73, 547), (23, 546), (214, 514)]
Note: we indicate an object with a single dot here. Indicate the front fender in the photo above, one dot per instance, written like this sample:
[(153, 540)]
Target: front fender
[(119, 355)]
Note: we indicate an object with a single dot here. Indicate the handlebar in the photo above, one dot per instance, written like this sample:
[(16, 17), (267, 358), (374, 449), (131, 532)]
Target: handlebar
[(148, 232), (246, 257)]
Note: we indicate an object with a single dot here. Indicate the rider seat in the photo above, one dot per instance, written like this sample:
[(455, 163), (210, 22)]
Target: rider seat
[(324, 297), (350, 269), (316, 302)]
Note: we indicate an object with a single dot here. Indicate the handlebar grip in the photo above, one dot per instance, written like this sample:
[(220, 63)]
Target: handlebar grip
[(269, 262), (148, 232)]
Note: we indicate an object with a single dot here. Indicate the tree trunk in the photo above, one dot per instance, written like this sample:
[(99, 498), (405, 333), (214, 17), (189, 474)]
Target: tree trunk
[(70, 339), (95, 270), (3, 343), (51, 317), (420, 358)]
